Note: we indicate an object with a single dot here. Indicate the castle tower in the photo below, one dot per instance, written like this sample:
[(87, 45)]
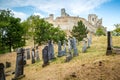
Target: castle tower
[(92, 18), (63, 13)]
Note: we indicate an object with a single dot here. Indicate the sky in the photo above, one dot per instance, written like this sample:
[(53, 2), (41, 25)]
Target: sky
[(108, 10)]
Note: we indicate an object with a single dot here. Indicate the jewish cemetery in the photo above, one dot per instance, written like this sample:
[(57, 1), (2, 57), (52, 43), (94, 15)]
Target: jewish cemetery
[(80, 41)]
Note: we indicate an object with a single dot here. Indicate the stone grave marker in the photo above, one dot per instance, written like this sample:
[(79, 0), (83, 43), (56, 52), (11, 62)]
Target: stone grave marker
[(37, 54), (50, 50), (64, 50), (33, 56), (75, 53), (8, 64), (2, 73), (59, 49), (68, 57), (84, 48), (28, 53), (109, 43), (45, 56), (19, 71)]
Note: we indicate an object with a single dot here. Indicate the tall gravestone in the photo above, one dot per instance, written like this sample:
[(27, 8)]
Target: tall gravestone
[(75, 53), (50, 50), (19, 71), (84, 48), (37, 54), (24, 57), (28, 53), (109, 43), (33, 55), (69, 45), (64, 50), (88, 42), (59, 49), (45, 56), (2, 73)]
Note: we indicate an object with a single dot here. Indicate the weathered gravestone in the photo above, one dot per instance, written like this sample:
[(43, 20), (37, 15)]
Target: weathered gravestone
[(68, 57), (64, 50), (84, 48), (59, 49), (33, 55), (2, 73), (69, 45), (88, 43), (19, 71), (45, 56), (109, 43), (75, 53), (28, 53), (37, 54), (8, 64), (24, 57), (50, 50)]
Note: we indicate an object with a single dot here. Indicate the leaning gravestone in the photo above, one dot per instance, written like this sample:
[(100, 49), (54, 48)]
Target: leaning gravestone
[(75, 53), (33, 55), (2, 73), (84, 48), (50, 50), (68, 57), (88, 42), (109, 43), (45, 56), (19, 71), (37, 54), (28, 53)]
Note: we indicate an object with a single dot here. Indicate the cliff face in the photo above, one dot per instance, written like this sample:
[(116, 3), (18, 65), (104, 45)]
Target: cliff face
[(66, 22)]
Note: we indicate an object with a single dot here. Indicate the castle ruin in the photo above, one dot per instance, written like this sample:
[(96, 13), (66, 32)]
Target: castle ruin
[(66, 22)]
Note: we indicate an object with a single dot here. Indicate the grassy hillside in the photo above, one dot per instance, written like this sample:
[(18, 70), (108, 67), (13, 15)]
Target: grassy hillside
[(92, 65)]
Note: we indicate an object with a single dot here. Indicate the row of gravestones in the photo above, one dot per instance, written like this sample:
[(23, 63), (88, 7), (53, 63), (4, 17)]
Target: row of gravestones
[(86, 43), (47, 54)]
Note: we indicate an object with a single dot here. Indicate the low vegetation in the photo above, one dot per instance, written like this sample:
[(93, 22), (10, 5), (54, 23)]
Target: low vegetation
[(92, 65)]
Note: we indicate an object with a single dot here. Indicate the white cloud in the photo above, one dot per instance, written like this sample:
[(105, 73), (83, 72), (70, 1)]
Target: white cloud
[(21, 15), (75, 7), (36, 13)]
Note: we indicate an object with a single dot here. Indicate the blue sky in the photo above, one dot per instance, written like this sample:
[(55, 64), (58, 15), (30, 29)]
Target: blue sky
[(108, 10)]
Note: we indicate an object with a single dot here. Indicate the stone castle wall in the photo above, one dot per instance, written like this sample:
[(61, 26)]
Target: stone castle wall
[(66, 22)]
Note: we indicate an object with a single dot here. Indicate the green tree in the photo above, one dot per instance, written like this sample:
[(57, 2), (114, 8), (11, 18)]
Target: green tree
[(79, 31), (11, 31), (116, 31), (100, 31), (42, 31)]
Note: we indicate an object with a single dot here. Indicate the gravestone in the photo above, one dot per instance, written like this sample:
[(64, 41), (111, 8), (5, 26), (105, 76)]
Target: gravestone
[(33, 55), (28, 53), (69, 45), (68, 57), (84, 48), (19, 71), (88, 42), (109, 43), (59, 49), (8, 64), (45, 56), (64, 50), (37, 54), (90, 38), (2, 73), (24, 57), (75, 53), (50, 50)]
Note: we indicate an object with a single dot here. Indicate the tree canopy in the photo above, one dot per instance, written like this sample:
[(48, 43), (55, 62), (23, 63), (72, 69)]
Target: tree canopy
[(79, 31), (11, 32), (100, 31), (116, 31)]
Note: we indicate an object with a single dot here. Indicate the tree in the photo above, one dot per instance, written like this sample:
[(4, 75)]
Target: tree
[(79, 31), (11, 32), (100, 31), (116, 31), (42, 31)]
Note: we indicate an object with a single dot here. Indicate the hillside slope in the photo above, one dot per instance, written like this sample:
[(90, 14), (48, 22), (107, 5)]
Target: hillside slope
[(92, 65)]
